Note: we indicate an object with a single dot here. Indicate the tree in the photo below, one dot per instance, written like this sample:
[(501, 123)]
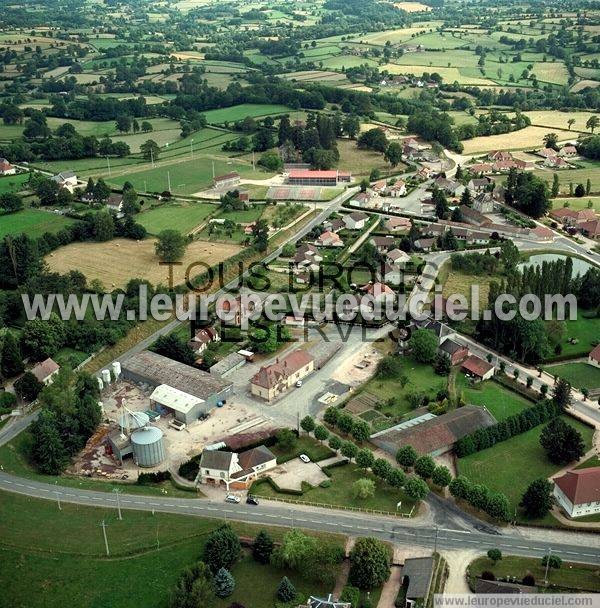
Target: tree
[(579, 190), (174, 347), (537, 499), (170, 246), (406, 456), (224, 583), (424, 467), (321, 433), (423, 344), (286, 592), (460, 487), (222, 549), (561, 393), (271, 161), (146, 127), (150, 150), (263, 547), (349, 450), (286, 439), (308, 424), (570, 123), (381, 468), (369, 563), (416, 488), (11, 358), (562, 442), (361, 431), (441, 476), (194, 589), (101, 191), (495, 555), (260, 235), (124, 123), (551, 140), (365, 458), (335, 443), (555, 185), (28, 387), (592, 123), (393, 154), (48, 451), (396, 477), (11, 202), (103, 226), (373, 139), (345, 422), (363, 489), (553, 561)]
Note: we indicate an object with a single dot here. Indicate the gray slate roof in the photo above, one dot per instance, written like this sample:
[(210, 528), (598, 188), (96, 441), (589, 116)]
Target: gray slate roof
[(419, 571)]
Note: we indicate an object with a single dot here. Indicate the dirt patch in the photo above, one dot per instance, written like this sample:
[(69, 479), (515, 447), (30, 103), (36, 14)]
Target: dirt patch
[(358, 368), (115, 262), (291, 474)]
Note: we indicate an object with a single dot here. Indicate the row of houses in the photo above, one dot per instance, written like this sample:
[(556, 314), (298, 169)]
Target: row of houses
[(586, 221)]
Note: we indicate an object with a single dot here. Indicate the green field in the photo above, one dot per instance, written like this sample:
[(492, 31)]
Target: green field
[(235, 113), (499, 400), (586, 333), (182, 217), (49, 557), (32, 222), (585, 169), (580, 375), (578, 203), (13, 183), (510, 466)]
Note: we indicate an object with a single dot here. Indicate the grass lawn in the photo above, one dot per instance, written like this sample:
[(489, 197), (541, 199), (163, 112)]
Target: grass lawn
[(578, 203), (13, 183), (510, 466), (70, 356), (183, 217), (585, 331), (360, 162), (235, 113), (49, 556), (305, 445), (571, 576), (460, 283), (580, 375), (499, 400), (32, 222), (340, 492)]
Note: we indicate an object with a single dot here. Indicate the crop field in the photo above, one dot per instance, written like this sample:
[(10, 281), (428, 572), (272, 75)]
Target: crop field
[(115, 262), (449, 74), (578, 203), (525, 139), (183, 217), (32, 222), (217, 117), (553, 119), (346, 61), (412, 7)]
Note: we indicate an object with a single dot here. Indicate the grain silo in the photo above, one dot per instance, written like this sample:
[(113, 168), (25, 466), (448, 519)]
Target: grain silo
[(132, 421), (148, 446)]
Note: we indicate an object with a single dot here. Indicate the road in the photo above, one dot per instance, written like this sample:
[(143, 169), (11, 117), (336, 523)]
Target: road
[(398, 531)]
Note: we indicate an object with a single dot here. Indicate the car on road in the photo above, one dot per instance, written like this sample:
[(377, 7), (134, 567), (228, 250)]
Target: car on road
[(251, 500), (232, 498), (298, 383), (304, 458)]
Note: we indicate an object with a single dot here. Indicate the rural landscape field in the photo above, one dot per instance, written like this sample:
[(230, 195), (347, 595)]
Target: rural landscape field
[(299, 302)]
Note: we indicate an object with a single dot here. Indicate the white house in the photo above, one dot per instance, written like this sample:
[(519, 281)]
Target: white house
[(397, 257), (594, 357), (578, 491), (355, 221), (398, 189), (6, 168), (329, 239), (45, 371), (67, 180)]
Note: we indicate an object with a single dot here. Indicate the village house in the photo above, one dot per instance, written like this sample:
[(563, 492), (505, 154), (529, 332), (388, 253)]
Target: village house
[(202, 338), (447, 185), (594, 357), (234, 310), (334, 225), (484, 202), (235, 471), (591, 229), (397, 257), (567, 151), (398, 189), (474, 217), (329, 239), (546, 153), (379, 292), (398, 224), (424, 173), (380, 187), (499, 155), (272, 380), (66, 180), (454, 351), (6, 168), (556, 162), (481, 168), (382, 243), (361, 199), (572, 217), (425, 244), (46, 371), (578, 491), (307, 255), (478, 184), (115, 202), (355, 221), (477, 368)]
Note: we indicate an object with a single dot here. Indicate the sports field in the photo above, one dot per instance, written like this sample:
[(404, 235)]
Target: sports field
[(183, 217), (116, 262), (32, 222)]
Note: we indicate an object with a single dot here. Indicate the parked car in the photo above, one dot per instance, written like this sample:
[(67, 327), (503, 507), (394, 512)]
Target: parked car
[(232, 498), (251, 500), (299, 384), (304, 458)]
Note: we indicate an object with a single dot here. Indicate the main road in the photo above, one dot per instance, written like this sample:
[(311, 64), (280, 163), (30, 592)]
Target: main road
[(398, 531)]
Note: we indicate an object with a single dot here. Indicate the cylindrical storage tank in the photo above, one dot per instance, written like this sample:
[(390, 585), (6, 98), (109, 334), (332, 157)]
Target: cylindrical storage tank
[(116, 369), (100, 384), (148, 446), (106, 376), (133, 421)]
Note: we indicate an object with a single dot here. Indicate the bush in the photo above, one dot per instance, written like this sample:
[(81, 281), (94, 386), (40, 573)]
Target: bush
[(326, 483), (146, 479), (7, 403), (222, 549), (224, 583), (351, 594), (529, 580)]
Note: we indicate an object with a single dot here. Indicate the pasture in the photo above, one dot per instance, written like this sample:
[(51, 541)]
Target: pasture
[(116, 262), (183, 217), (235, 113), (553, 119), (585, 170), (525, 139), (13, 183), (578, 203), (32, 222)]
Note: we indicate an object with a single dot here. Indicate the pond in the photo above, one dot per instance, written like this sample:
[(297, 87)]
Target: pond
[(579, 266)]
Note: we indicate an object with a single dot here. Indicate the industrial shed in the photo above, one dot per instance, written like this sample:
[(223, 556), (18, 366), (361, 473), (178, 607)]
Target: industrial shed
[(184, 407), (153, 370)]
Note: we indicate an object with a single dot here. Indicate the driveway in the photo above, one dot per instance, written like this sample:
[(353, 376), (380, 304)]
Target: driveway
[(291, 474)]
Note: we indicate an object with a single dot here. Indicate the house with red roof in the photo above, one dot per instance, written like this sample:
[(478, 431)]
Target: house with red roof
[(6, 168), (578, 491), (499, 155), (591, 229), (329, 239), (272, 380), (309, 177), (594, 357), (478, 368), (46, 371)]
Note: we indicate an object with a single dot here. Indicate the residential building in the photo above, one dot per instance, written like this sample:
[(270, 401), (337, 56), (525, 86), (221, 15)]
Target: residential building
[(272, 380), (483, 586), (425, 244), (309, 177), (397, 257), (380, 187), (424, 173), (456, 352), (6, 168), (234, 310), (66, 180), (484, 202), (334, 225), (474, 217), (478, 368), (235, 471), (546, 153), (389, 273), (383, 243), (480, 168), (499, 155), (355, 221), (46, 371), (447, 185), (417, 576), (380, 292), (361, 199), (398, 189), (556, 162), (568, 151), (307, 255), (329, 239), (478, 184), (594, 357), (202, 338), (572, 217), (227, 181), (115, 202), (578, 491), (591, 229), (398, 224), (543, 233)]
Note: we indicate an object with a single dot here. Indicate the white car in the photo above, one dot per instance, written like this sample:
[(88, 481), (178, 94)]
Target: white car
[(304, 458), (233, 499), (299, 384)]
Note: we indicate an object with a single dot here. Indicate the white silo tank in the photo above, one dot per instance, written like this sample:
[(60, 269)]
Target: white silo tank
[(148, 446), (116, 369), (100, 384), (106, 376)]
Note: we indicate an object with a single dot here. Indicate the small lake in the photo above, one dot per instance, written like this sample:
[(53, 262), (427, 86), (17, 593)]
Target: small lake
[(579, 266)]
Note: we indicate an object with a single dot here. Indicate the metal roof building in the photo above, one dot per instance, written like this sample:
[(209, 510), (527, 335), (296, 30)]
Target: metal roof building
[(185, 407)]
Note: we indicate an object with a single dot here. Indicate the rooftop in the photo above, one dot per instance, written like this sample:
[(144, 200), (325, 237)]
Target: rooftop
[(580, 486), (174, 398)]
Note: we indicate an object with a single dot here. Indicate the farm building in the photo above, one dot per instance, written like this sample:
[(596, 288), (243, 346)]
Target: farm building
[(235, 471), (184, 407), (228, 364), (272, 380), (153, 369), (308, 177), (436, 435), (474, 217), (578, 491), (227, 181)]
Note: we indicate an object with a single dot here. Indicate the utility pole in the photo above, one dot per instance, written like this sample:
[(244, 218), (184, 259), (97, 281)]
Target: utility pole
[(105, 538), (117, 492), (152, 157), (547, 566), (192, 148), (435, 541), (213, 167), (145, 187), (108, 163), (253, 163), (169, 180), (58, 497)]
